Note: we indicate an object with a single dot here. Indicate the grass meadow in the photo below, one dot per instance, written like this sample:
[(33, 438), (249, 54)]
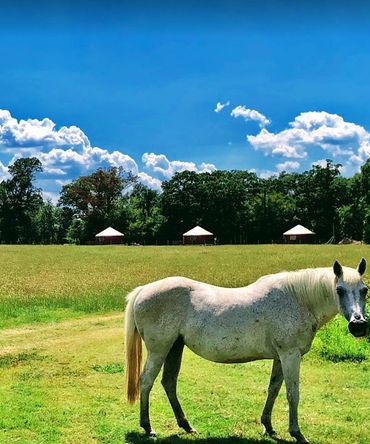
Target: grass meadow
[(62, 363)]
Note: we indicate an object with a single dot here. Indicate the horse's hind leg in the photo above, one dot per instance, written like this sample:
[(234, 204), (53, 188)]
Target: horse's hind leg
[(290, 362), (276, 381), (169, 381), (152, 367)]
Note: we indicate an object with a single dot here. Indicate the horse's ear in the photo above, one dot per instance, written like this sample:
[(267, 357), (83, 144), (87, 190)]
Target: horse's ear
[(362, 266), (338, 270)]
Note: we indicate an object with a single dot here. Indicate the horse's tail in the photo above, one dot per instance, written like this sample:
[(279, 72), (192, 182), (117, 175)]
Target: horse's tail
[(133, 349)]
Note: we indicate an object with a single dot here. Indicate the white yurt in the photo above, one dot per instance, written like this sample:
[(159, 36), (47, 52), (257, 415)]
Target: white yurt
[(109, 236), (197, 235), (298, 235)]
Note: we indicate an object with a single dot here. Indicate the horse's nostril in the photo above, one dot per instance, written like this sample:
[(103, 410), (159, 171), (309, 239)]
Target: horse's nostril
[(357, 317)]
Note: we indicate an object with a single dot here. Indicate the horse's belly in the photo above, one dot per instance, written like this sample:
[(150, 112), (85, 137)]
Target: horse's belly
[(229, 349)]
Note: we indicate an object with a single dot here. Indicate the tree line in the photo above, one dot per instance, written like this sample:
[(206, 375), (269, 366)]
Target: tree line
[(237, 206)]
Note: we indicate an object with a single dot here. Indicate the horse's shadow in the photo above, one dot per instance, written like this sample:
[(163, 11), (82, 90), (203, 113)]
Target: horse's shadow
[(140, 438)]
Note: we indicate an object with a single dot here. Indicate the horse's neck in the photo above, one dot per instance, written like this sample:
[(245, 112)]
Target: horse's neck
[(317, 290), (325, 315)]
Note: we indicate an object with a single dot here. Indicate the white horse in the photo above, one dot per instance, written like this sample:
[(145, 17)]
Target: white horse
[(274, 318)]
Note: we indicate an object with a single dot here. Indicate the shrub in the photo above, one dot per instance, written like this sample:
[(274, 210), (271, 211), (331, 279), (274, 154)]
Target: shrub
[(336, 344)]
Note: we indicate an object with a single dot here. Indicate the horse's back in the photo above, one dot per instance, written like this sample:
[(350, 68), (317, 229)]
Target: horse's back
[(168, 289), (180, 294)]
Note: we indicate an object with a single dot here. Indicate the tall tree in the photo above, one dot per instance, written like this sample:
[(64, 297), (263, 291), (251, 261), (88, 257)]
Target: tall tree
[(322, 199), (94, 198), (20, 201), (145, 220), (180, 203), (49, 224)]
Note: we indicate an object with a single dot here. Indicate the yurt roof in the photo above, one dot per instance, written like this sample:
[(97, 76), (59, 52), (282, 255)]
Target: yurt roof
[(297, 230), (198, 231), (109, 232)]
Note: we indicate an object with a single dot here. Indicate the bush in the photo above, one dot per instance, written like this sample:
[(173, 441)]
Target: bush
[(336, 344)]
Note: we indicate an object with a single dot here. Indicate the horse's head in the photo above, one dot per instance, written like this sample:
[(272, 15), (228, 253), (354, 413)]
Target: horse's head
[(351, 296)]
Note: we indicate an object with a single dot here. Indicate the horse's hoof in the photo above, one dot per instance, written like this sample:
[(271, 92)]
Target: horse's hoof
[(300, 438), (187, 427), (150, 433), (190, 430), (271, 433)]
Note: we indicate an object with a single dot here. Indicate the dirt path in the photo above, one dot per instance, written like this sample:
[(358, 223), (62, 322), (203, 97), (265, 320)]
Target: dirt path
[(41, 336)]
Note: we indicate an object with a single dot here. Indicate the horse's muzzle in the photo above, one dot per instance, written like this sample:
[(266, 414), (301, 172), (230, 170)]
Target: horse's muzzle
[(359, 328)]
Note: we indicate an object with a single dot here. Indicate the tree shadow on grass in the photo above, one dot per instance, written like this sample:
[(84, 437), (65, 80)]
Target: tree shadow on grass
[(140, 438)]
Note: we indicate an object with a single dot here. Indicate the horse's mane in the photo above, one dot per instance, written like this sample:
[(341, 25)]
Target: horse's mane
[(313, 287)]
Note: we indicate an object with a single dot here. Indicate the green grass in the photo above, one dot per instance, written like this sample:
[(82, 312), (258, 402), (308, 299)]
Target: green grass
[(63, 391), (62, 365), (112, 367)]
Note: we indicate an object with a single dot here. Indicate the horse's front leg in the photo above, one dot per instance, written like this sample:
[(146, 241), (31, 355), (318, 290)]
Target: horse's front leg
[(274, 387), (291, 362)]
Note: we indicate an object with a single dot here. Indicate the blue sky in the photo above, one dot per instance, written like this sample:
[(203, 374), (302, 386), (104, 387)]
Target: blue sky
[(94, 84)]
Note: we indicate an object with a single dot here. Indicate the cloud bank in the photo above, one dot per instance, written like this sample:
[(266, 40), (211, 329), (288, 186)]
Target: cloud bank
[(67, 153), (158, 163), (315, 131)]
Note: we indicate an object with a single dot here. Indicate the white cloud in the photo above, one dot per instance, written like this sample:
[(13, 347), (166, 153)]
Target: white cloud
[(97, 156), (90, 158), (150, 181), (315, 130), (266, 174), (177, 166), (220, 106), (61, 183), (67, 154), (207, 167), (263, 174), (250, 114), (347, 169), (323, 163), (64, 151), (48, 195), (38, 133), (54, 171), (159, 164), (58, 156), (363, 152), (277, 144), (289, 165)]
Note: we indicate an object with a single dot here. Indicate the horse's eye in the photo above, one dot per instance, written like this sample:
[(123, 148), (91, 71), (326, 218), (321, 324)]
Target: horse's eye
[(363, 291), (341, 291)]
